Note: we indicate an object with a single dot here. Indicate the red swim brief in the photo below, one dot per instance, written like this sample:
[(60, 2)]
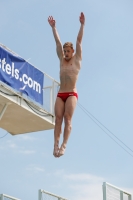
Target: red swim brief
[(65, 95)]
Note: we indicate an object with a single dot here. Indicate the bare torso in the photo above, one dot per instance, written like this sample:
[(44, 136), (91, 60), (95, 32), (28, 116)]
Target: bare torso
[(69, 71)]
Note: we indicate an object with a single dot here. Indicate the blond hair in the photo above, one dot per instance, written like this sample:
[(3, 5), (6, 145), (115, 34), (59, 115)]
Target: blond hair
[(68, 44)]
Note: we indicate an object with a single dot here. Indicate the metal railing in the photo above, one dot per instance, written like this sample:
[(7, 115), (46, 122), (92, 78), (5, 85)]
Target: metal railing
[(50, 90), (7, 197), (44, 195), (111, 192)]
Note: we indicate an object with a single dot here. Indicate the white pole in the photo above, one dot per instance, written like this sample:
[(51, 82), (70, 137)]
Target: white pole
[(104, 190), (39, 194), (53, 93), (121, 195)]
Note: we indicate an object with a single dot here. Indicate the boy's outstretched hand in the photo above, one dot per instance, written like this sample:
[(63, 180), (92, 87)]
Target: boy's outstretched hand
[(82, 18), (51, 21)]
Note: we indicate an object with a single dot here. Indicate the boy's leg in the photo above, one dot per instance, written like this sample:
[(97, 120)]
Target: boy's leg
[(69, 110), (59, 112)]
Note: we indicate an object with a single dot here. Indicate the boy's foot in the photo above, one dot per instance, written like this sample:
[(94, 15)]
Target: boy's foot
[(62, 150), (56, 151)]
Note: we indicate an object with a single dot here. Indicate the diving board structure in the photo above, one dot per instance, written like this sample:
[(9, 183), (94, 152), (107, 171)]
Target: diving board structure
[(27, 95)]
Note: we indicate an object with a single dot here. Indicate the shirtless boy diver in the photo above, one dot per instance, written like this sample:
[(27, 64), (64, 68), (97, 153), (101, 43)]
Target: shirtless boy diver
[(67, 96)]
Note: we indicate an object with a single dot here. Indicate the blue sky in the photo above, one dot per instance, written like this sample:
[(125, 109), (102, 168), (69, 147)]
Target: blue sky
[(104, 87)]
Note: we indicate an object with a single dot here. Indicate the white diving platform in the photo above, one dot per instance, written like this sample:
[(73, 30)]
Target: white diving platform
[(19, 114)]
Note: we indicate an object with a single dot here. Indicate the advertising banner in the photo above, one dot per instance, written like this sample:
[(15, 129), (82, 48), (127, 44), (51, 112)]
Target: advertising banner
[(20, 75)]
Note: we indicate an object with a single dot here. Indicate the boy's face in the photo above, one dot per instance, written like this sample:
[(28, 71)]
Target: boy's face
[(68, 53)]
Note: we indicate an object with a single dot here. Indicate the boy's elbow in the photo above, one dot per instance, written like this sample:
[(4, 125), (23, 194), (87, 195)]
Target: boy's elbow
[(59, 45), (79, 40)]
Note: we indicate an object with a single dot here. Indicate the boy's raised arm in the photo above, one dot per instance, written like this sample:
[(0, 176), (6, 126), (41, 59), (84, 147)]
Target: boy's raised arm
[(80, 36), (59, 48)]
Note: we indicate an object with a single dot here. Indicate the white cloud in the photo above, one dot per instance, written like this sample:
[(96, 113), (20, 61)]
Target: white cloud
[(39, 169), (8, 145), (35, 168), (85, 186), (26, 137), (83, 177), (81, 186), (11, 144), (27, 152), (87, 191), (15, 148), (59, 172)]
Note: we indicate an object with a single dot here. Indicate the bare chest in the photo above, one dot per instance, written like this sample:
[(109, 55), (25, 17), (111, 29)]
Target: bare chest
[(69, 68)]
